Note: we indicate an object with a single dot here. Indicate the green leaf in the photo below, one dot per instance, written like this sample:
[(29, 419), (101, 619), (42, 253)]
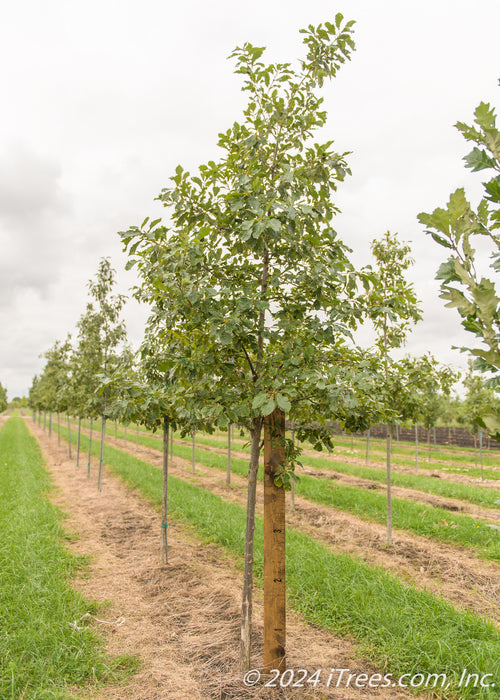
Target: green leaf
[(275, 224), (284, 403), (259, 400), (439, 219), (493, 189), (485, 116), (447, 272), (491, 357), (268, 407), (442, 241), (492, 423), (478, 159)]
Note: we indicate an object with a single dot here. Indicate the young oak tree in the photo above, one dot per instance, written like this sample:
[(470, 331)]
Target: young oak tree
[(393, 308), (458, 228), (101, 332), (143, 394), (437, 383), (256, 293), (52, 388), (479, 400), (3, 398)]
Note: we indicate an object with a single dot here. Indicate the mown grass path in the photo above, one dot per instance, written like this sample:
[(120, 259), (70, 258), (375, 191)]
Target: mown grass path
[(41, 652), (422, 519), (403, 629), (454, 573)]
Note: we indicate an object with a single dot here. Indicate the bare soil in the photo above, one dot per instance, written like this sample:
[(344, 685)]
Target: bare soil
[(181, 619)]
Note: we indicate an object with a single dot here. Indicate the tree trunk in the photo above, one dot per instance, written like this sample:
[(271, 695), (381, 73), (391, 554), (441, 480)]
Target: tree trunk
[(137, 440), (58, 430), (116, 430), (90, 449), (389, 484), (164, 502), (78, 442), (397, 433), (44, 420), (69, 437), (367, 445), (274, 544), (475, 450), (246, 606), (193, 452), (103, 433), (481, 451), (228, 471), (125, 434), (50, 425), (292, 492), (428, 445)]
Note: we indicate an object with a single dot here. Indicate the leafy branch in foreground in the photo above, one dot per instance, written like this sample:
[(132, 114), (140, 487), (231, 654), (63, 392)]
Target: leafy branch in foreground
[(251, 289), (459, 227)]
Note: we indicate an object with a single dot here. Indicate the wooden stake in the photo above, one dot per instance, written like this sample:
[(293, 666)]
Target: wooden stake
[(228, 471), (292, 491), (90, 449), (274, 544), (416, 447), (194, 448), (78, 442), (481, 451), (69, 437), (389, 483), (103, 433), (164, 523)]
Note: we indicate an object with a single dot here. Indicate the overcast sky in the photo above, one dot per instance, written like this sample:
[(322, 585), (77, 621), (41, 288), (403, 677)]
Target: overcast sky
[(102, 99)]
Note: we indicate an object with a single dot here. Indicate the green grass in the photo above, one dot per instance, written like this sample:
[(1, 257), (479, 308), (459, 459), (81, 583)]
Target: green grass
[(421, 519), (420, 482), (41, 655), (399, 628), (489, 498), (457, 462)]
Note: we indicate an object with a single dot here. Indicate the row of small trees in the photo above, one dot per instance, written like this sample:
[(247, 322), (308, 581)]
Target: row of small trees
[(253, 306), (72, 374), (3, 398)]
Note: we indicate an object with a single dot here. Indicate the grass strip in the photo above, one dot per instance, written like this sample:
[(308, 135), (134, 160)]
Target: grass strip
[(422, 519), (397, 627), (489, 498), (41, 654)]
